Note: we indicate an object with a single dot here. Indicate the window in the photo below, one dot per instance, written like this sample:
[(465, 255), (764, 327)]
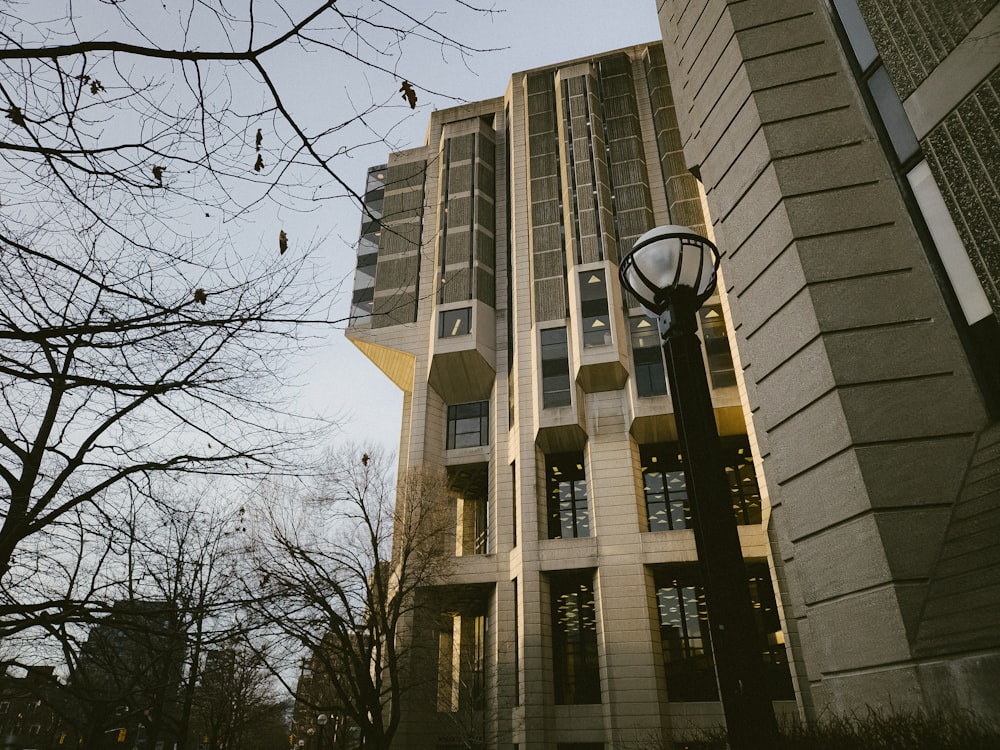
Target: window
[(594, 309), (555, 368), (647, 354), (469, 425), (743, 487), (664, 484), (665, 487), (4, 707), (720, 359), (684, 637), (455, 322), (684, 634), (576, 671), (777, 676), (566, 490)]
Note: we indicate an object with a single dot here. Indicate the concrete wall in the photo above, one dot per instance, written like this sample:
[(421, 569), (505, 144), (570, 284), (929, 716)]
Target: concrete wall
[(860, 393)]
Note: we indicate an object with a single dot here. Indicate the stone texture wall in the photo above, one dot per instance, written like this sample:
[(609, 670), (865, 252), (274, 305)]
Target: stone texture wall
[(862, 401)]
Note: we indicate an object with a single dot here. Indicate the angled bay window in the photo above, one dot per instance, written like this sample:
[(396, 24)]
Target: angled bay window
[(468, 425), (455, 322), (665, 487), (555, 368), (576, 670), (566, 496), (594, 309), (720, 358), (647, 354)]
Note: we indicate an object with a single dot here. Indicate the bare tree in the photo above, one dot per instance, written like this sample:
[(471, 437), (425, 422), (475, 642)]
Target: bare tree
[(135, 340), (112, 108), (340, 575)]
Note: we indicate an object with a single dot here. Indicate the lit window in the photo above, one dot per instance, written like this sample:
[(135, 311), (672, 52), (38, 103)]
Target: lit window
[(668, 507), (576, 670), (594, 309), (555, 368), (455, 323), (684, 634), (665, 487), (469, 425), (647, 354), (743, 488), (720, 359), (566, 490), (684, 637)]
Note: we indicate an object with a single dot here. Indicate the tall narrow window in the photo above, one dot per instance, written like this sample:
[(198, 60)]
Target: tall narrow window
[(566, 488), (594, 309), (665, 487), (469, 425), (684, 637), (555, 368), (647, 354), (743, 488), (777, 675), (576, 670), (478, 677), (720, 358)]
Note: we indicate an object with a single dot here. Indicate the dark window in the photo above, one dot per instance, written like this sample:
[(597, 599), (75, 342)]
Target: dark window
[(576, 670), (720, 359), (684, 634), (594, 309), (684, 637), (469, 425), (777, 676), (566, 491), (455, 323), (555, 368), (647, 354), (665, 487)]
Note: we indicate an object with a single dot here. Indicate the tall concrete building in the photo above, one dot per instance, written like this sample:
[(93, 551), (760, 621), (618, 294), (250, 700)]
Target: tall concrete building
[(487, 289), (849, 150), (849, 179)]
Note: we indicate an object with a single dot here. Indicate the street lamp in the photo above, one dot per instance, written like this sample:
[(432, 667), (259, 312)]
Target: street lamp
[(321, 720), (672, 271)]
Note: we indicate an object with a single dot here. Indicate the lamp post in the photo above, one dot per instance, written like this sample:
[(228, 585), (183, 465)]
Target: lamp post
[(321, 721), (672, 271)]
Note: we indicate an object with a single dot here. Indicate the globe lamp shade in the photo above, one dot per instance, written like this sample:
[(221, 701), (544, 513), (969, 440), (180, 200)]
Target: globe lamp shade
[(666, 259)]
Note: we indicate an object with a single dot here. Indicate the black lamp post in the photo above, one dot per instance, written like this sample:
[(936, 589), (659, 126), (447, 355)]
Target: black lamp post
[(672, 271), (321, 720)]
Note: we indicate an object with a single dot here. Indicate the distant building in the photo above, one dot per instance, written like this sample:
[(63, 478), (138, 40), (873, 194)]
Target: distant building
[(33, 711), (127, 679)]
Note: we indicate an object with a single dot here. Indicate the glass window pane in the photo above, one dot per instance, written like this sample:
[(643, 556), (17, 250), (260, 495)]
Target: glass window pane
[(455, 322), (890, 109), (576, 669), (720, 358)]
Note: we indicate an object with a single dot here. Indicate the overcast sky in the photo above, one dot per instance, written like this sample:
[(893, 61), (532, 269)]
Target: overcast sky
[(531, 33)]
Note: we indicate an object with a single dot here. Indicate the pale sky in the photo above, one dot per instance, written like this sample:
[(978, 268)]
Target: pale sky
[(533, 33)]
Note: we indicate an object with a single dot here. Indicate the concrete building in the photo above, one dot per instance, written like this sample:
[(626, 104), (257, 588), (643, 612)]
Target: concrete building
[(844, 159), (849, 152), (487, 289)]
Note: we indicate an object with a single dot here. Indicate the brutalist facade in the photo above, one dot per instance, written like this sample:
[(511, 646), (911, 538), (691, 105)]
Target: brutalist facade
[(852, 351), (488, 291), (849, 152)]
